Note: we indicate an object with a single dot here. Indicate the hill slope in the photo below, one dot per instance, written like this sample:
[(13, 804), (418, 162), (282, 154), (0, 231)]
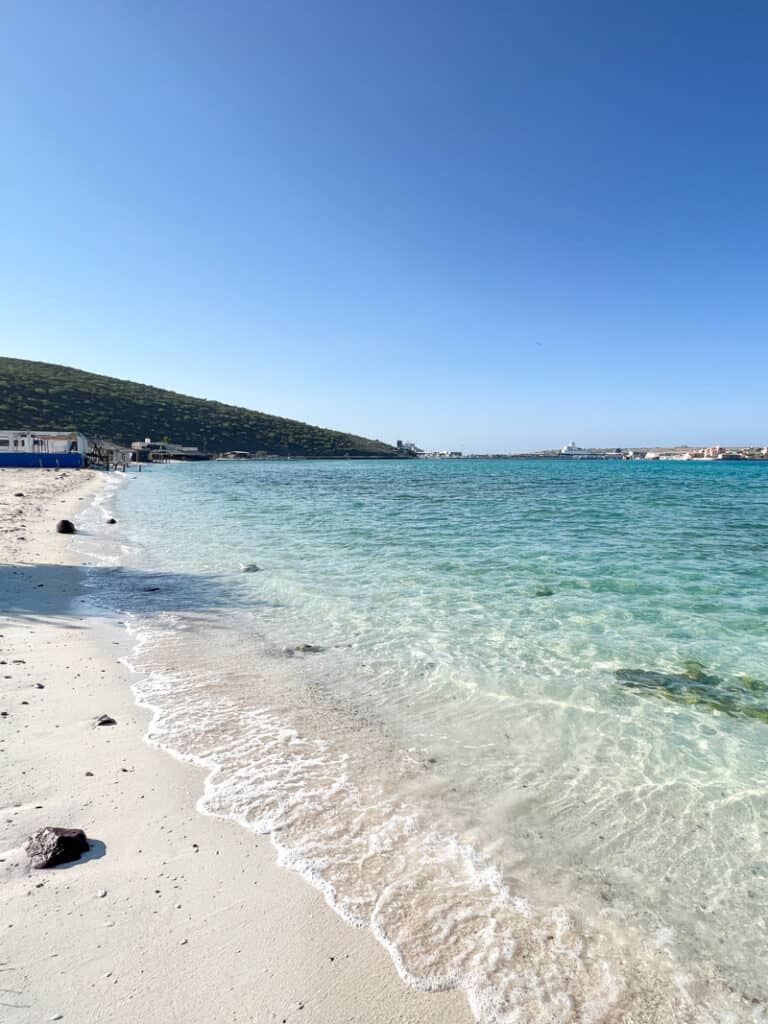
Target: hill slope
[(37, 396)]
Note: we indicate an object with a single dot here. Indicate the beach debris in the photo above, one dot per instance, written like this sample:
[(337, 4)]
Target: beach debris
[(307, 649), (745, 697), (39, 686), (90, 774), (105, 720), (102, 893), (65, 526), (19, 494), (111, 521), (249, 567), (51, 845)]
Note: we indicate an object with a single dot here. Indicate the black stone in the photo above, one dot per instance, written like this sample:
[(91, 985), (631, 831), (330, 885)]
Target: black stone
[(105, 720), (65, 526), (51, 846), (111, 522)]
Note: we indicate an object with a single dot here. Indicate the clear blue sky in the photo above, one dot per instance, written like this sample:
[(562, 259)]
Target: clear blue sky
[(488, 226)]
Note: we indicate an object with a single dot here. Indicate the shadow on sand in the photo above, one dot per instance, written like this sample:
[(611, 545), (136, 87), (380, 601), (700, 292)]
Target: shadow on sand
[(46, 592), (96, 850)]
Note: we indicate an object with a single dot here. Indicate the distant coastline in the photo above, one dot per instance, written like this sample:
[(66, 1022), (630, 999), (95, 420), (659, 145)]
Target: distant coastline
[(681, 453)]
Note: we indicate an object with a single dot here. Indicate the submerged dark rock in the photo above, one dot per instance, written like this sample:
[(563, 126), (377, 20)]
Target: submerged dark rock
[(65, 526), (744, 697), (50, 846), (150, 590), (543, 592)]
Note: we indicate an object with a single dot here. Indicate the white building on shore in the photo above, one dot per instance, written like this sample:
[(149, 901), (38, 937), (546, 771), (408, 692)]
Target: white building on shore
[(572, 451), (42, 447)]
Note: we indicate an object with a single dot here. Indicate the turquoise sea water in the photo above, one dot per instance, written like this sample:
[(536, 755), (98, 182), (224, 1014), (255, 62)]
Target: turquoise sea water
[(511, 715)]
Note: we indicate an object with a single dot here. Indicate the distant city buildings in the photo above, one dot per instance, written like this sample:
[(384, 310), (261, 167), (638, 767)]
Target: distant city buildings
[(576, 452), (712, 454), (441, 455), (681, 454)]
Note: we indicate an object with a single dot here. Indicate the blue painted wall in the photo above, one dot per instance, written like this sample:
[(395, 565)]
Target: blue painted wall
[(68, 460)]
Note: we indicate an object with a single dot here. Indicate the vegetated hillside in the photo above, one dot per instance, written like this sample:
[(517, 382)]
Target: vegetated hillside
[(38, 396)]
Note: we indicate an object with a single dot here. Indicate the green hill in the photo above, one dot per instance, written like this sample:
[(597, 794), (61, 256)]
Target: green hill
[(38, 396)]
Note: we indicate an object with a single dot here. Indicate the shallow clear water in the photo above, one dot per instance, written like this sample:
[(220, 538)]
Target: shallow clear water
[(531, 752)]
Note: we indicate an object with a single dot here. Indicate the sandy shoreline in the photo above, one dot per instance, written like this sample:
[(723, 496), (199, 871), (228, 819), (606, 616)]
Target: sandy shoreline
[(198, 922)]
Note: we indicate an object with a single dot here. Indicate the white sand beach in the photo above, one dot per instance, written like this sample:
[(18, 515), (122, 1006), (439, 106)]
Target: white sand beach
[(173, 916)]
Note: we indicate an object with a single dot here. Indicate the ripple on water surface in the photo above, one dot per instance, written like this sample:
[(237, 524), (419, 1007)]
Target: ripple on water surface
[(510, 715)]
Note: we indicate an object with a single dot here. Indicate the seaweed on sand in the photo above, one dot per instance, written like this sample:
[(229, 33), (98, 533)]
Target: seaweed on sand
[(746, 696)]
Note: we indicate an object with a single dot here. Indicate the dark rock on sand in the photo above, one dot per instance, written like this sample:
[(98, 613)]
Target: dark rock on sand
[(51, 846), (111, 522), (19, 494), (65, 526), (105, 720)]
